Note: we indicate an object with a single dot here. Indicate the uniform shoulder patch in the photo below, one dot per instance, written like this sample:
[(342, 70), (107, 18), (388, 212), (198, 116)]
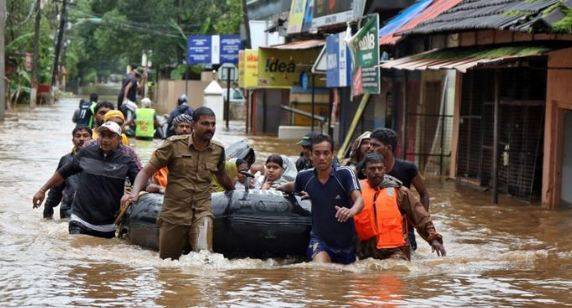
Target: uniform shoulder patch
[(177, 137), (217, 143)]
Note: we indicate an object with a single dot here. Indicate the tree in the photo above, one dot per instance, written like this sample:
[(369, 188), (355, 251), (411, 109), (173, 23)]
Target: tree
[(109, 34), (18, 38)]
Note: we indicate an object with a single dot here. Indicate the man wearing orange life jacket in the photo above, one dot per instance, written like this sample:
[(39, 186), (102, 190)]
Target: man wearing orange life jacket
[(389, 208)]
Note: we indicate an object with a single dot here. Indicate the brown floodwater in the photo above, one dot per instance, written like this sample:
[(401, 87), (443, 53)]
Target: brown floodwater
[(511, 255)]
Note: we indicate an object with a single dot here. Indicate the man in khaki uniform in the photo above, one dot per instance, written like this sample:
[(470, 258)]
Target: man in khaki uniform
[(186, 218)]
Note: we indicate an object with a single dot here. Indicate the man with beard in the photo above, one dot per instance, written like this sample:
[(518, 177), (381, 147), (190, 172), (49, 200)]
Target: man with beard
[(64, 193), (102, 168), (187, 218), (389, 208)]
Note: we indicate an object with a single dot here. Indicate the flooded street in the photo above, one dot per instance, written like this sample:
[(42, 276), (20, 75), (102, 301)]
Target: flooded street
[(509, 255)]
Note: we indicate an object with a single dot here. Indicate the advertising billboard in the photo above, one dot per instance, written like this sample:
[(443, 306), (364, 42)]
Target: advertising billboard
[(365, 49), (248, 69), (282, 68), (330, 12), (338, 71)]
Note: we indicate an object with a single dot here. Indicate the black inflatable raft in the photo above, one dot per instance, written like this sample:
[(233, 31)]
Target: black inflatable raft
[(256, 224)]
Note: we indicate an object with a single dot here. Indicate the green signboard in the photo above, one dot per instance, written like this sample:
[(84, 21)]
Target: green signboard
[(365, 49)]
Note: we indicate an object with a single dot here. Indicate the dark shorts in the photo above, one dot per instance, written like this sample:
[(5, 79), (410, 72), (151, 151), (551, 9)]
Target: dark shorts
[(77, 228), (342, 256)]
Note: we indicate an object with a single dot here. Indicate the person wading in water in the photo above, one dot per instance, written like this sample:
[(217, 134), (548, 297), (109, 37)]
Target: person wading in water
[(102, 169), (389, 208), (64, 193), (384, 142), (187, 218), (335, 195)]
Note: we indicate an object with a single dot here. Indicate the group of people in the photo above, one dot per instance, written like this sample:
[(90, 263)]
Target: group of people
[(361, 207)]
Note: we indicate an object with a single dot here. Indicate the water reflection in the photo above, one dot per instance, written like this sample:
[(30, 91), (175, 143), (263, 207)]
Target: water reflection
[(498, 255)]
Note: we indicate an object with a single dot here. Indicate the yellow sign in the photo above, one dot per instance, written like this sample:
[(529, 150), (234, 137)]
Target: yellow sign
[(241, 68), (281, 68), (296, 17), (248, 69)]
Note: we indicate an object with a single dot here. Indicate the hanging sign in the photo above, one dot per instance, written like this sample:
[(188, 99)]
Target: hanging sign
[(338, 61), (248, 69), (281, 68), (365, 50), (296, 17), (213, 49)]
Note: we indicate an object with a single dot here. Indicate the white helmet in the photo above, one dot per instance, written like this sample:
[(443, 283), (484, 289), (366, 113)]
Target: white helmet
[(146, 102)]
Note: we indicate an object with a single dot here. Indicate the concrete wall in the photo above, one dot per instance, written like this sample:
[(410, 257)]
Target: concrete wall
[(168, 91), (558, 102)]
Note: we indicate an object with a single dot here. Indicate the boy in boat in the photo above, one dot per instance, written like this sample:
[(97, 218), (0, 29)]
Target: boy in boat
[(389, 208), (336, 198)]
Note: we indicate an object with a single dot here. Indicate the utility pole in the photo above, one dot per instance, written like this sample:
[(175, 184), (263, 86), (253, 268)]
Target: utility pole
[(2, 69), (246, 24), (59, 44), (36, 56)]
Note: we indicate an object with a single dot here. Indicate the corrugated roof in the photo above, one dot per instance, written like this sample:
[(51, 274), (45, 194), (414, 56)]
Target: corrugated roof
[(516, 15), (434, 9), (299, 45), (387, 31), (463, 59)]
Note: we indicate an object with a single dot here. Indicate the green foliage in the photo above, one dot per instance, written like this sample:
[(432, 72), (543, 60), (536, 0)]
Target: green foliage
[(19, 34), (104, 36), (110, 34), (565, 24), (178, 72)]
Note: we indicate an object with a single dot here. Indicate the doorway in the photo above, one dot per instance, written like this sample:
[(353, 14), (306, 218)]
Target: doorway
[(566, 185)]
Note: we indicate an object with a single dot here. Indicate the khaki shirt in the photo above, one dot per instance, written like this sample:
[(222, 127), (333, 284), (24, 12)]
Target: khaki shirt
[(189, 179)]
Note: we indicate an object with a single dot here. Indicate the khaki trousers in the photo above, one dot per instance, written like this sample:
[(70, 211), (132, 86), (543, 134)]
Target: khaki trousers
[(174, 239)]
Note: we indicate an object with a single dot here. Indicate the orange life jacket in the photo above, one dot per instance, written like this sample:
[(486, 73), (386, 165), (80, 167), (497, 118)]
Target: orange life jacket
[(160, 177), (380, 217)]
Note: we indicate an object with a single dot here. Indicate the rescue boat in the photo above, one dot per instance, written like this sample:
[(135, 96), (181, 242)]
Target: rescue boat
[(247, 223), (255, 223)]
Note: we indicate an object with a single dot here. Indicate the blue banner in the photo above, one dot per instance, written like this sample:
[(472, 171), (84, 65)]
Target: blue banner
[(338, 73), (199, 49), (229, 47), (213, 49)]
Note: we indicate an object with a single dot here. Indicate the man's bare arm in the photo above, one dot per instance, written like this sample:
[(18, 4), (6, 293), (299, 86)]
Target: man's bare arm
[(419, 185), (224, 180), (56, 180), (343, 213), (287, 187), (139, 184), (126, 91)]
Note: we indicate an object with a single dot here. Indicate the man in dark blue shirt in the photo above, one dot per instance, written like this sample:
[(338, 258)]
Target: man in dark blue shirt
[(335, 195), (102, 168)]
